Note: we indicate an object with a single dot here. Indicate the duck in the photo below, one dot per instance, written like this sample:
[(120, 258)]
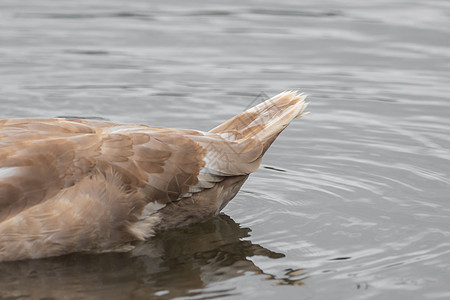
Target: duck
[(74, 185)]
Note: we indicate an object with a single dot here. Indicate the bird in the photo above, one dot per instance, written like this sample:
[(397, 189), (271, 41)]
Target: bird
[(74, 185)]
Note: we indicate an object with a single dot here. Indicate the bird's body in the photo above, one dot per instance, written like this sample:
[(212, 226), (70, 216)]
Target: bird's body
[(78, 185)]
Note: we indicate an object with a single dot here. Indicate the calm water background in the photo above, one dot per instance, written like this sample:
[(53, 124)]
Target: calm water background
[(351, 202)]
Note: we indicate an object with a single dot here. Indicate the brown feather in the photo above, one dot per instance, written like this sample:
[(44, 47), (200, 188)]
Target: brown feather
[(78, 185)]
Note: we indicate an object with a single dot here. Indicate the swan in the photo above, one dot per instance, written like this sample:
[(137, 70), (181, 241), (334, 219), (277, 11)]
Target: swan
[(83, 185)]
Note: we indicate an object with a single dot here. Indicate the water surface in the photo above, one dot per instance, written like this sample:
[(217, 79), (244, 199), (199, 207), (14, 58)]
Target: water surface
[(351, 202)]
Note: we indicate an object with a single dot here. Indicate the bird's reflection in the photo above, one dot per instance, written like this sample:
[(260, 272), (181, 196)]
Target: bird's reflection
[(173, 264)]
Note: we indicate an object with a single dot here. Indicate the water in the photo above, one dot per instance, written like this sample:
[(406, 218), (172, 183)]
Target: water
[(351, 202)]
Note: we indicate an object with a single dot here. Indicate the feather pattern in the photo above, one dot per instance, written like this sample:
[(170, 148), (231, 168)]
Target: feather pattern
[(83, 185)]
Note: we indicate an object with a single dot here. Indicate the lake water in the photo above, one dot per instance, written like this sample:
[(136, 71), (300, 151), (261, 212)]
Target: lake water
[(351, 202)]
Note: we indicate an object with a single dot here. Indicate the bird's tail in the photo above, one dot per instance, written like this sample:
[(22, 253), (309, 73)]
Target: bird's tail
[(264, 121), (232, 157)]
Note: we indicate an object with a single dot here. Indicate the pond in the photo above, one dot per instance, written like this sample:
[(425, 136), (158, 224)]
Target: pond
[(351, 202)]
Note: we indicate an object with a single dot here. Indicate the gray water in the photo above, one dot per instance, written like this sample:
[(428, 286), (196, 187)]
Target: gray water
[(351, 202)]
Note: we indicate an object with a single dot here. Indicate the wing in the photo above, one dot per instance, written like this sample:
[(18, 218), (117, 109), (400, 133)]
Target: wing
[(39, 158), (111, 180)]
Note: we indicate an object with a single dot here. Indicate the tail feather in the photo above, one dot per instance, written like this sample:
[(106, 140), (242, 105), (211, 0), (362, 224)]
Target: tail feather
[(264, 121), (230, 158)]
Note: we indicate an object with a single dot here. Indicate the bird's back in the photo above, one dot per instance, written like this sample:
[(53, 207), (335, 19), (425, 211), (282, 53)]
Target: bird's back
[(77, 185)]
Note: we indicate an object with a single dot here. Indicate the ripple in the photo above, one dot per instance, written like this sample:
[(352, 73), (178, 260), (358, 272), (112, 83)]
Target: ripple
[(351, 201), (83, 15)]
